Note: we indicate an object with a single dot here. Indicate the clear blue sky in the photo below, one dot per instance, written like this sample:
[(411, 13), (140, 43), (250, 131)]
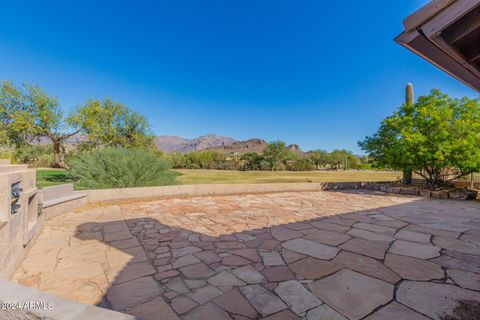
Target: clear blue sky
[(318, 73)]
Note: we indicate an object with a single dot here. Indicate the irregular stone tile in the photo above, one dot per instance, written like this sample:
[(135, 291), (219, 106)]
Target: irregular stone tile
[(454, 263), (208, 311), (327, 237), (282, 315), (395, 310), (114, 236), (262, 300), (268, 245), (290, 256), (229, 245), (311, 268), (412, 236), (166, 274), (244, 237), (194, 284), (298, 226), (311, 248), (235, 261), (177, 285), (465, 257), (234, 302), (127, 243), (282, 234), (433, 299), (352, 294), (467, 280), (340, 220), (414, 269), (294, 294), (456, 245), (225, 278), (365, 265), (250, 254), (392, 223), (330, 226), (369, 235), (205, 294), (436, 232), (413, 249), (375, 228), (197, 271), (472, 238), (151, 309), (367, 248), (184, 251), (324, 312), (278, 274), (248, 274), (183, 304), (131, 293), (132, 271), (208, 257), (272, 258), (185, 261)]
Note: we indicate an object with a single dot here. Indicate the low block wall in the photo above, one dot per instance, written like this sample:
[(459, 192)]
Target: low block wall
[(212, 190)]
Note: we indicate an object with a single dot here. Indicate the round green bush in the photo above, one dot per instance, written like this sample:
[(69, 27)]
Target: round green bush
[(121, 168)]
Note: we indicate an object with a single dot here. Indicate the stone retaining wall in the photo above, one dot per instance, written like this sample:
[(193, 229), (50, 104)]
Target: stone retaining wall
[(458, 194)]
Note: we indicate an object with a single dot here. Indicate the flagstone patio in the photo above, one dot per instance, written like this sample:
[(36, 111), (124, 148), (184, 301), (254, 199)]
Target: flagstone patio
[(295, 255)]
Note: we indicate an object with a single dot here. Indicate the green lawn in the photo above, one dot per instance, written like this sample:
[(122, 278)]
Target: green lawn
[(227, 176), (49, 177)]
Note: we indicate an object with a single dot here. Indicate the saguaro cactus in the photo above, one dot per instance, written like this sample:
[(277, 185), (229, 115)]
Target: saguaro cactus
[(409, 99)]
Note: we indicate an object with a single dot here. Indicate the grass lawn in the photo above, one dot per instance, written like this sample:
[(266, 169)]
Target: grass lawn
[(227, 176), (49, 177)]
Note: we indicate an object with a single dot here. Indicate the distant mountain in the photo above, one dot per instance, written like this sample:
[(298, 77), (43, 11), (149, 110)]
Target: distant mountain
[(242, 147), (178, 144), (251, 145)]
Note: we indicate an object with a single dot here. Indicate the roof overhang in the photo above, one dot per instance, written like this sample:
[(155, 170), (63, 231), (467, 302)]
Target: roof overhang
[(447, 34)]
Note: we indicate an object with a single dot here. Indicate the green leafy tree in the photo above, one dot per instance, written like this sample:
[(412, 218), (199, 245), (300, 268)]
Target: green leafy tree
[(252, 161), (28, 113), (320, 158), (428, 137), (276, 154), (341, 159), (111, 124)]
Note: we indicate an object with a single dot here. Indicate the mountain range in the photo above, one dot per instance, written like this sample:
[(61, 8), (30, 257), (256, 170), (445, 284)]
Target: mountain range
[(214, 142)]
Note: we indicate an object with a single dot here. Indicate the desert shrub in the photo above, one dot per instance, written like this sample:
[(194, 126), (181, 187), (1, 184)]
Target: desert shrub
[(43, 161), (121, 168), (302, 164), (39, 155)]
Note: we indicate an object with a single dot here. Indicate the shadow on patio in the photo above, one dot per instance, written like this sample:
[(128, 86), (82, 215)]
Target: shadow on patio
[(351, 257)]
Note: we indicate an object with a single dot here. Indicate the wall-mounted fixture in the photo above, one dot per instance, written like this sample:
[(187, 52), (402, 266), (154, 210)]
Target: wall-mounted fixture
[(16, 190)]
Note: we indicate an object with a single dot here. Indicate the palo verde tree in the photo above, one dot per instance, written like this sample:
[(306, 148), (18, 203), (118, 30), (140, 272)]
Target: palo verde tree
[(28, 113), (428, 137), (276, 154), (111, 124)]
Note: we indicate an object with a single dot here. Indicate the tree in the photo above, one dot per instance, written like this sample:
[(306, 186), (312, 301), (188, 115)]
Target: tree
[(320, 158), (428, 137), (409, 99), (28, 113), (276, 154), (340, 158), (109, 123)]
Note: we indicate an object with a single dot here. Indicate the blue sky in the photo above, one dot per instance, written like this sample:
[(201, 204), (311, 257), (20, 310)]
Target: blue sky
[(321, 74)]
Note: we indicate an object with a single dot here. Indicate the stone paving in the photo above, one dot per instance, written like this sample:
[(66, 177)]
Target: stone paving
[(296, 255)]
